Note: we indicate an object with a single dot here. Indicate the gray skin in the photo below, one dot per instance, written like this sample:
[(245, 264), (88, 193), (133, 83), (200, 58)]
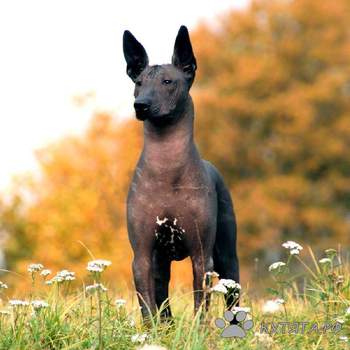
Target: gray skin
[(178, 205)]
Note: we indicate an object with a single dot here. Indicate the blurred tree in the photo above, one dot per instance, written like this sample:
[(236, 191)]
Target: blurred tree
[(273, 112), (79, 197), (272, 101)]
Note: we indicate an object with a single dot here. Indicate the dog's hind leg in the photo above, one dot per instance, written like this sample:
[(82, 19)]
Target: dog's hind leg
[(225, 252), (161, 273)]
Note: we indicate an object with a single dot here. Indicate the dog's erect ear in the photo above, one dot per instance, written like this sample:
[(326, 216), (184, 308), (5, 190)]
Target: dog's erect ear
[(183, 57), (135, 55)]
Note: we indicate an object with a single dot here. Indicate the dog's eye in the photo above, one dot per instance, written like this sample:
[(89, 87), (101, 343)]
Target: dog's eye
[(139, 83), (167, 81)]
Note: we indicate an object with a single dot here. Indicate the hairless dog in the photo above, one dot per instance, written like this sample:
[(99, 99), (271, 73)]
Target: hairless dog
[(178, 204)]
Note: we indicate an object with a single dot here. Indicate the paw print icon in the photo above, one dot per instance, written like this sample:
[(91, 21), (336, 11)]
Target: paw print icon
[(234, 330)]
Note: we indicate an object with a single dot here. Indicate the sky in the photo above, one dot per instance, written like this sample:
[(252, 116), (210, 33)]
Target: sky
[(53, 53)]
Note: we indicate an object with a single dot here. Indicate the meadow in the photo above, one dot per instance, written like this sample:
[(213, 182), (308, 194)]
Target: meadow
[(308, 310)]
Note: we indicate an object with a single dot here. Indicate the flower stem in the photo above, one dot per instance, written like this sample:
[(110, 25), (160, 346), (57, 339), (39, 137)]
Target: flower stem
[(99, 320)]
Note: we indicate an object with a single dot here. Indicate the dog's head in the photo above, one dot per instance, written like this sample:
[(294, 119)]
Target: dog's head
[(160, 90)]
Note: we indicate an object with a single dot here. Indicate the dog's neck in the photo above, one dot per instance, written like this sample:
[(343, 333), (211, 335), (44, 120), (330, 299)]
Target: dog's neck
[(170, 146)]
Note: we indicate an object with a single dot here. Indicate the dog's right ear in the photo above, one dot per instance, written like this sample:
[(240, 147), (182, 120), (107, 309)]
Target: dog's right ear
[(135, 56), (183, 57)]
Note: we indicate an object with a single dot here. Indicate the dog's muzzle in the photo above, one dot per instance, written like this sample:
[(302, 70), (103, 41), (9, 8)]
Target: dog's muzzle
[(142, 110)]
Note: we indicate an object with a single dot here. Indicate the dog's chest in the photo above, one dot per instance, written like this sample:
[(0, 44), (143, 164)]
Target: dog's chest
[(180, 204), (172, 213)]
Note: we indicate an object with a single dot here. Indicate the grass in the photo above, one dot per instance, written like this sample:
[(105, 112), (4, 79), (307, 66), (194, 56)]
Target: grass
[(80, 318)]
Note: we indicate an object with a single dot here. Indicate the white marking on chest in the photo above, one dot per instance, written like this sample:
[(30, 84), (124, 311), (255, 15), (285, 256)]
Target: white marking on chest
[(168, 232), (161, 222)]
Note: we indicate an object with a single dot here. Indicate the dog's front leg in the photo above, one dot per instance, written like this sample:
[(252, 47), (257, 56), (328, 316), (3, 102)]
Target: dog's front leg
[(144, 283), (200, 265)]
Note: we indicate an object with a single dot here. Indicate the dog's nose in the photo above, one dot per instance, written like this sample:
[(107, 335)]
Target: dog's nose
[(142, 106)]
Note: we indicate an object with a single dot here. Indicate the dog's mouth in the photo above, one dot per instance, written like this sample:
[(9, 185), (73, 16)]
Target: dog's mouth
[(141, 116), (153, 117)]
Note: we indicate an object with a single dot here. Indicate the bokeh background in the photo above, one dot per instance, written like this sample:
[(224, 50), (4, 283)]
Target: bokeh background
[(272, 101)]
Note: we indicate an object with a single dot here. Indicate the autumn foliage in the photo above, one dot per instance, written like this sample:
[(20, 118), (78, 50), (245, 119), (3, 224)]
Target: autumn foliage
[(272, 101)]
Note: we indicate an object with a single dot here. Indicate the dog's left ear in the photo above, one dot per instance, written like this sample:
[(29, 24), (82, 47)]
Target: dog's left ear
[(135, 56), (183, 57)]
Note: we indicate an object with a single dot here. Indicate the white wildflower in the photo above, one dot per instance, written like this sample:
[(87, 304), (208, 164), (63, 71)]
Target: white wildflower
[(325, 261), (294, 252), (343, 338), (39, 304), (120, 302), (18, 303), (95, 268), (139, 338), (62, 276), (69, 278), (219, 288), (45, 272), (292, 245), (98, 265), (230, 284), (3, 285), (276, 265), (35, 268), (271, 306), (66, 275), (226, 285), (94, 287)]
